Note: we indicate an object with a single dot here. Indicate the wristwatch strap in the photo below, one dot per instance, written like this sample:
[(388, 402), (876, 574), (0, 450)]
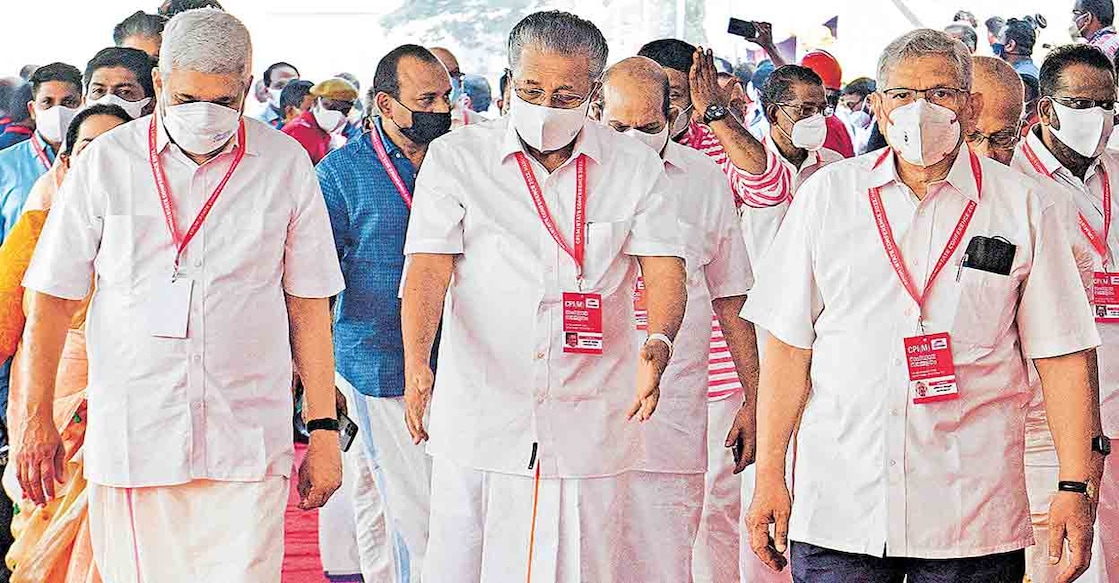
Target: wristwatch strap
[(663, 338), (324, 424), (1069, 486)]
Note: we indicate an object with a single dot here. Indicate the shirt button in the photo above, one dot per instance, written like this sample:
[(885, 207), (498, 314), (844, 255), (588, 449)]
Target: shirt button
[(894, 412), (540, 399), (897, 362), (197, 358), (893, 463), (198, 262), (538, 356)]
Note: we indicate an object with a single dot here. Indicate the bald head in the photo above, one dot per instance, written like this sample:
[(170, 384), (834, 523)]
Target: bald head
[(449, 61), (635, 90), (1003, 96)]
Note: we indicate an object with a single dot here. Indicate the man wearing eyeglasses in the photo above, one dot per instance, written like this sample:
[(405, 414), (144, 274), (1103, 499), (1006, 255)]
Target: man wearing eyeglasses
[(1068, 150), (907, 288), (531, 230)]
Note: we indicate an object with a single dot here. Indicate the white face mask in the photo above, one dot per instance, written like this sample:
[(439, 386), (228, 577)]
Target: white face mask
[(923, 133), (682, 121), (52, 123), (201, 127), (655, 141), (547, 128), (329, 120), (134, 109), (810, 133), (274, 97), (1084, 130)]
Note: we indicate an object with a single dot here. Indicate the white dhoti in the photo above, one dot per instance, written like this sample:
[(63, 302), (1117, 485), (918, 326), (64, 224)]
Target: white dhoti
[(395, 481), (200, 531), (716, 551), (338, 546), (636, 527)]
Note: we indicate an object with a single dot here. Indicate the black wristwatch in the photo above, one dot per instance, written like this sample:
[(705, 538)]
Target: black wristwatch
[(323, 424), (714, 113), (1102, 444)]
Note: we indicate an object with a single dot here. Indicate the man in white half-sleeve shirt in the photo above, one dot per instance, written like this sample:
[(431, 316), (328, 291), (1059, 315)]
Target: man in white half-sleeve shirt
[(208, 245), (906, 288), (689, 433), (1067, 151), (531, 230)]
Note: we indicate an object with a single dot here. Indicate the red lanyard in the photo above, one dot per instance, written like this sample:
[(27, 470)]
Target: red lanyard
[(40, 152), (891, 245), (164, 190), (578, 250), (394, 176), (1098, 240)]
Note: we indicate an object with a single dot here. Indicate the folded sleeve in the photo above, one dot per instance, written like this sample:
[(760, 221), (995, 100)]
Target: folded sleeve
[(730, 272), (1054, 315), (436, 221), (62, 265), (311, 267), (786, 299)]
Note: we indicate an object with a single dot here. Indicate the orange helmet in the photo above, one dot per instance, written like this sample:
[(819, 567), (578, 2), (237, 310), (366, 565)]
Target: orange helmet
[(825, 65)]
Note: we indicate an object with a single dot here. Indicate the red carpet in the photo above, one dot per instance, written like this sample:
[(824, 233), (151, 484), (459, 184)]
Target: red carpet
[(301, 536)]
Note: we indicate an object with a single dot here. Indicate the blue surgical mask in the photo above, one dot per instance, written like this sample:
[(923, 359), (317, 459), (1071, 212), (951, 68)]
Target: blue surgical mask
[(456, 89), (999, 49)]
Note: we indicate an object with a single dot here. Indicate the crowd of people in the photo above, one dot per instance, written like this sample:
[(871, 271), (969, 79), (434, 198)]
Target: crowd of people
[(631, 318)]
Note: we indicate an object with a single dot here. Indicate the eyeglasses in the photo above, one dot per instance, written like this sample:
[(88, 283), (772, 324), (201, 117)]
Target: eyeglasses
[(559, 99), (937, 95), (1005, 139), (1081, 103), (807, 110)]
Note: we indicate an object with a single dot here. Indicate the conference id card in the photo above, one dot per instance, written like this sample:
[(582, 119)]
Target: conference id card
[(582, 323), (169, 308), (932, 372), (1105, 296), (640, 311)]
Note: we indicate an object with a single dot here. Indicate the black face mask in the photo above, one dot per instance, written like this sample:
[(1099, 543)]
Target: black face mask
[(426, 125)]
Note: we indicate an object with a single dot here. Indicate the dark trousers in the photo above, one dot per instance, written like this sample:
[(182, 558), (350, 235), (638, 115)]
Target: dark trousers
[(813, 564)]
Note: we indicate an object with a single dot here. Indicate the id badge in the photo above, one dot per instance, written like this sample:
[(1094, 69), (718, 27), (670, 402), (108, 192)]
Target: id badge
[(1105, 296), (582, 323), (932, 372), (169, 307), (640, 311)]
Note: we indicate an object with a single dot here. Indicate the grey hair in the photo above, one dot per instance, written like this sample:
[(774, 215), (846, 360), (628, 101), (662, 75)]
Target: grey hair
[(206, 40), (926, 42), (559, 32)]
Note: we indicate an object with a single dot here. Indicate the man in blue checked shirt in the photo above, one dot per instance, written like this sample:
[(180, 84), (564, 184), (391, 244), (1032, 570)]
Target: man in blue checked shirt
[(368, 185)]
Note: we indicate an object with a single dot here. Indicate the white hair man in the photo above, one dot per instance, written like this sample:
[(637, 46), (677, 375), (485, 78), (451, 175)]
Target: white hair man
[(538, 362), (214, 261), (910, 310)]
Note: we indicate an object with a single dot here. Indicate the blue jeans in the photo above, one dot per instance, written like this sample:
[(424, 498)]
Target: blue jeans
[(813, 564)]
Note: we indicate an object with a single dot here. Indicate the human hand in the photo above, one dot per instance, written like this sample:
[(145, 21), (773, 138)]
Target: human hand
[(764, 36), (418, 384), (320, 474), (1071, 518), (650, 367), (704, 81), (40, 463), (743, 435), (771, 505)]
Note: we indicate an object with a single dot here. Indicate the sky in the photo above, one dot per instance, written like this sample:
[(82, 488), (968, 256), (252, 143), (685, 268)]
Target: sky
[(324, 37)]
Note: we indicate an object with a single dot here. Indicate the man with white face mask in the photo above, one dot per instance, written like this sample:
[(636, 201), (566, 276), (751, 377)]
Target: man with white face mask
[(319, 128), (122, 77), (276, 77), (634, 101), (56, 92), (1067, 149), (531, 229), (214, 265), (906, 288)]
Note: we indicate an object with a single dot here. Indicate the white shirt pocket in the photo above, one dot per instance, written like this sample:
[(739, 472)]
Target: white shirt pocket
[(986, 308)]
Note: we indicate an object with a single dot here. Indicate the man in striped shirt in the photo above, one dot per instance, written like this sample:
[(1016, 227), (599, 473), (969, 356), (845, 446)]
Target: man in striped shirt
[(1094, 20)]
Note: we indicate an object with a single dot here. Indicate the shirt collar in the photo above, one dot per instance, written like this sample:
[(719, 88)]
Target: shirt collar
[(1107, 30), (674, 156), (1034, 149), (811, 160), (960, 176), (40, 140), (390, 146), (587, 143), (162, 140)]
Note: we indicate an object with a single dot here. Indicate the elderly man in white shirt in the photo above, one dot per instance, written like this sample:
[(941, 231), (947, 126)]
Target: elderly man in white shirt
[(537, 455), (1067, 150), (201, 302), (906, 288), (689, 434)]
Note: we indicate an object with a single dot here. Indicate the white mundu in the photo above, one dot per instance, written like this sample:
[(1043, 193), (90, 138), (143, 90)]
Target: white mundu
[(505, 389)]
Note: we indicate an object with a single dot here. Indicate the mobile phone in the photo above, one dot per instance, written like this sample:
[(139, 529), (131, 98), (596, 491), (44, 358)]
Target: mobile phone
[(347, 431), (743, 28), (736, 451)]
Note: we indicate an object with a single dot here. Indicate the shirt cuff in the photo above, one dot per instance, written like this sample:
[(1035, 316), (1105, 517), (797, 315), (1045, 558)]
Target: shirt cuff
[(770, 322)]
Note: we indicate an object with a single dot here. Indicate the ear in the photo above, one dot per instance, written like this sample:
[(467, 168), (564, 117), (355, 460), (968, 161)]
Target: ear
[(31, 109), (157, 81), (771, 113), (384, 103), (595, 111), (1010, 47), (975, 105), (245, 94), (1046, 114)]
